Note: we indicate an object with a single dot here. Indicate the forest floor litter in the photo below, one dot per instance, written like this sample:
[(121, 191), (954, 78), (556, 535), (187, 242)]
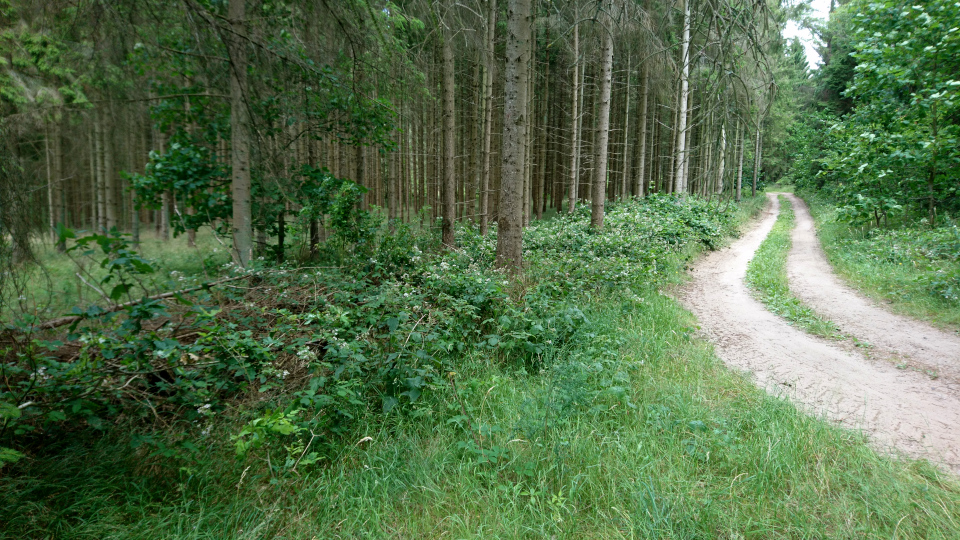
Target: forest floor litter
[(915, 411)]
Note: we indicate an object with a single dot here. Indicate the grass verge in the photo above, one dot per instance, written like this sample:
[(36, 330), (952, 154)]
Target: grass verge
[(631, 428), (660, 441), (767, 276), (914, 270)]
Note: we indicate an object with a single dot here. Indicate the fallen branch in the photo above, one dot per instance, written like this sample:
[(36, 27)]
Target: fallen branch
[(70, 319)]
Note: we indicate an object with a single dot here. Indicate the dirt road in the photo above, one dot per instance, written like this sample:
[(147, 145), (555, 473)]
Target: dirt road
[(906, 341), (901, 409)]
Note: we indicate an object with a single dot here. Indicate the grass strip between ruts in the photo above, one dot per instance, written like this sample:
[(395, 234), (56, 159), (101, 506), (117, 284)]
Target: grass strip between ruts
[(767, 278)]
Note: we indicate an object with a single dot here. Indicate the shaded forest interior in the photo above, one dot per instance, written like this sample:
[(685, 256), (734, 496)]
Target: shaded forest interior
[(370, 268), (146, 115)]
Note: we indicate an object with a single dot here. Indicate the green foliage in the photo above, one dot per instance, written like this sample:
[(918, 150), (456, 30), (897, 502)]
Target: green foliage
[(838, 69), (419, 393), (191, 174), (326, 195), (388, 327), (809, 142), (899, 146), (122, 263), (641, 237), (515, 452), (866, 209), (8, 412), (38, 67), (912, 268)]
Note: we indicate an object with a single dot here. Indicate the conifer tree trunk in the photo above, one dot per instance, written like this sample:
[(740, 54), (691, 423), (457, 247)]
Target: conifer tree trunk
[(94, 189), (688, 146), (528, 133), (134, 211), (642, 181), (476, 134), (741, 135), (542, 160), (51, 203), (757, 161), (360, 164), (723, 157), (680, 176), (515, 118), (109, 178), (240, 137), (624, 176), (603, 120), (313, 243), (101, 192), (393, 180), (575, 119), (59, 190), (449, 134), (488, 65), (191, 232)]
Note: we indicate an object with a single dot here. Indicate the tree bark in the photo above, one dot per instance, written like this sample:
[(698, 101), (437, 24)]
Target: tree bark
[(723, 157), (488, 65), (98, 156), (542, 165), (515, 118), (624, 176), (741, 135), (575, 119), (51, 204), (603, 120), (643, 182), (109, 178), (449, 130), (240, 137), (528, 134), (758, 148), (59, 182), (680, 173)]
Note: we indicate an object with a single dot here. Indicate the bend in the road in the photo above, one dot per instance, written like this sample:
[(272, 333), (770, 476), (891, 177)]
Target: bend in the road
[(898, 408)]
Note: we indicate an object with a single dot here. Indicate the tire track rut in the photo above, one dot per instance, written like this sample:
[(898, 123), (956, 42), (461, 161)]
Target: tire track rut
[(899, 409), (892, 336)]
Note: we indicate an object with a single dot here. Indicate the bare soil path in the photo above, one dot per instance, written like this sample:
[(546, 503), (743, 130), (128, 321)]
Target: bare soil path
[(894, 337), (900, 409)]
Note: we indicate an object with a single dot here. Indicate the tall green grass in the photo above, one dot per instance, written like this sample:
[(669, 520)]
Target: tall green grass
[(52, 287), (767, 276), (659, 442)]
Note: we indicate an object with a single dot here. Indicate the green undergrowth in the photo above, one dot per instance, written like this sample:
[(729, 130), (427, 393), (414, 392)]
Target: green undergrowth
[(420, 393), (52, 287), (913, 269), (767, 276), (779, 188), (652, 439)]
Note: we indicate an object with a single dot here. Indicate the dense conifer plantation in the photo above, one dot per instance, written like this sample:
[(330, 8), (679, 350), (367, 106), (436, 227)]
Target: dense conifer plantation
[(369, 268)]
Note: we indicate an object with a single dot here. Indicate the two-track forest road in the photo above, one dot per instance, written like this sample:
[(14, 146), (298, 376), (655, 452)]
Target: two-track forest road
[(900, 408)]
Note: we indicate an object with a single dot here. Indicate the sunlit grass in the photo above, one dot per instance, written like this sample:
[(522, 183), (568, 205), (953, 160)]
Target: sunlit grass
[(52, 287), (632, 430)]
